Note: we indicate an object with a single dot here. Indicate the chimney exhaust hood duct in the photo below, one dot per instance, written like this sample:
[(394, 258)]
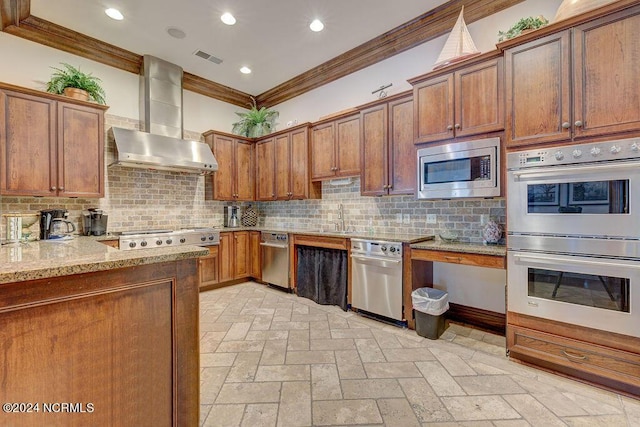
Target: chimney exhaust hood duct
[(160, 145)]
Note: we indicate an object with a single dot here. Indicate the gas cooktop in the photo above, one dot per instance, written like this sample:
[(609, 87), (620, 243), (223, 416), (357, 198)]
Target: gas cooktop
[(147, 239)]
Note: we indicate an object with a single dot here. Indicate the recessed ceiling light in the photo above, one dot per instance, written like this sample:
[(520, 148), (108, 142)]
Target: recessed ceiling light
[(114, 14), (176, 33), (316, 25), (245, 70), (228, 18)]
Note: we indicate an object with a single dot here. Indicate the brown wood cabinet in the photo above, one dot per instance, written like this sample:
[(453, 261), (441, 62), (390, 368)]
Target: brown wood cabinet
[(50, 145), (578, 82), (124, 340), (600, 357), (282, 167), (335, 148), (209, 267), (387, 150), (235, 178), (468, 101), (255, 255), (234, 255)]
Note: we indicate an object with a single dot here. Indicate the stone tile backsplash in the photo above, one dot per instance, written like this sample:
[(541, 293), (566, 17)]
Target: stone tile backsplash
[(463, 216), (141, 199)]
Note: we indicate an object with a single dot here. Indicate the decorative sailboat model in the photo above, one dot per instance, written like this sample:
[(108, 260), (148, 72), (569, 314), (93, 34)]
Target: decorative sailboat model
[(459, 45)]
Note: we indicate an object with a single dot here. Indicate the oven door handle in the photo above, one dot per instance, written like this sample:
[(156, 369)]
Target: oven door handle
[(561, 172), (374, 260), (274, 245), (545, 260)]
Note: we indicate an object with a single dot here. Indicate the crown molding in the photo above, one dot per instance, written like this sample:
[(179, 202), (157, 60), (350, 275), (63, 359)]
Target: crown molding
[(15, 19)]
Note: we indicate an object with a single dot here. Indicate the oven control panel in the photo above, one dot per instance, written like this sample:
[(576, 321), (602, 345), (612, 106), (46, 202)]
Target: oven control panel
[(619, 149)]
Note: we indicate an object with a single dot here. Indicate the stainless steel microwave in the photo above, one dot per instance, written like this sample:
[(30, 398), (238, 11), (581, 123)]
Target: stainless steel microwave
[(459, 169)]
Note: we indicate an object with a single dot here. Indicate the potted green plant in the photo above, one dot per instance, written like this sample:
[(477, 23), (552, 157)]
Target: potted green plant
[(64, 81), (255, 122), (523, 25)]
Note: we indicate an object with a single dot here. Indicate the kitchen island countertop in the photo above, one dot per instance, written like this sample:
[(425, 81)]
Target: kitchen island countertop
[(48, 258)]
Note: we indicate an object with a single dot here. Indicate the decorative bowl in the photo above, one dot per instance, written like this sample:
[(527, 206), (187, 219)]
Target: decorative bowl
[(448, 236)]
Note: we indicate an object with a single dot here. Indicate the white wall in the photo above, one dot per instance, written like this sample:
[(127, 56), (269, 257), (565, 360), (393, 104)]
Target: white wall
[(355, 89), (478, 287), (27, 64)]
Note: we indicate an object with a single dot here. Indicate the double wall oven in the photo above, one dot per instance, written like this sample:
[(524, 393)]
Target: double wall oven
[(574, 234)]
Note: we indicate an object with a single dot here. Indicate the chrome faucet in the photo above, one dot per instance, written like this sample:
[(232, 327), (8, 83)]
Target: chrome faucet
[(340, 224)]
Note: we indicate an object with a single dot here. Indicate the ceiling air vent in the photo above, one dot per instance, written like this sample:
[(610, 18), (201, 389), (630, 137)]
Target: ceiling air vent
[(205, 55)]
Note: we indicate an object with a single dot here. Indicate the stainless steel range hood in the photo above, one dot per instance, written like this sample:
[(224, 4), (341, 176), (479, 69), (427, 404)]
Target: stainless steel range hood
[(160, 145)]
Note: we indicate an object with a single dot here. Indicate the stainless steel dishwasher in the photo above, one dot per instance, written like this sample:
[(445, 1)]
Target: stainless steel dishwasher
[(377, 277), (275, 258)]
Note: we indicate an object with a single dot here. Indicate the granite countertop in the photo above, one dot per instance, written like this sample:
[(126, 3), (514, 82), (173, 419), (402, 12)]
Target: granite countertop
[(50, 258), (469, 248), (388, 237)]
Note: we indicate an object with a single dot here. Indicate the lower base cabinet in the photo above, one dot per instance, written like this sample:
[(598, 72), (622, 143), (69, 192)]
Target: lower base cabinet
[(238, 255), (598, 357), (120, 345), (209, 267)]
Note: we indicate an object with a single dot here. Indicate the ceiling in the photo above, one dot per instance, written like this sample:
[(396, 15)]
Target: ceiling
[(270, 37)]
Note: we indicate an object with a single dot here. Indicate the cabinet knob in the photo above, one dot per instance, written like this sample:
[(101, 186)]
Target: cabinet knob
[(273, 195), (578, 124), (61, 188), (457, 126), (53, 189), (566, 125), (389, 186), (449, 127)]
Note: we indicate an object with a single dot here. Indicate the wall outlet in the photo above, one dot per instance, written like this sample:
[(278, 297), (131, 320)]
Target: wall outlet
[(484, 219), (432, 219), (406, 219), (399, 218)]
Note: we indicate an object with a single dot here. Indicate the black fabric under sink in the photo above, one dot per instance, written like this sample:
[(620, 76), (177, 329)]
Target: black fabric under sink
[(321, 275)]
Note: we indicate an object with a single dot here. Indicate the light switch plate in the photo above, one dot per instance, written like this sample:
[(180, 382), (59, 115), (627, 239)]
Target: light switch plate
[(399, 218), (432, 219), (406, 219)]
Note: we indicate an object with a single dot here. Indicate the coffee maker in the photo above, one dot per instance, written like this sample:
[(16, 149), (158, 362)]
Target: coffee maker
[(94, 222), (51, 217), (231, 216)]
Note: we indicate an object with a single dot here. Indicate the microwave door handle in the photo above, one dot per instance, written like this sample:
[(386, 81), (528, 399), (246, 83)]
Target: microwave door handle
[(561, 172), (551, 261)]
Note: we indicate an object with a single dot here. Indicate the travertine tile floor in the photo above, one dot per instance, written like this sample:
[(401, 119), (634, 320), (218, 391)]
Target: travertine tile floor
[(273, 359)]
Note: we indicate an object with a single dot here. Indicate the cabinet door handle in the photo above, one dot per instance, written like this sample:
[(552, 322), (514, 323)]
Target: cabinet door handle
[(61, 188), (389, 186), (453, 258), (566, 125), (449, 127), (578, 124), (53, 189), (574, 356), (457, 126)]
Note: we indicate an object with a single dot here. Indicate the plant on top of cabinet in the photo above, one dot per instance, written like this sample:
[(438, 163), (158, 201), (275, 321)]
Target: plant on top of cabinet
[(255, 122), (63, 81), (524, 24)]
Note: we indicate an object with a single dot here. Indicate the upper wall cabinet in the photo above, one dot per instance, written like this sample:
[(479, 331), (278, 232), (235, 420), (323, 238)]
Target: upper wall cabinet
[(235, 178), (579, 82), (388, 152), (282, 166), (467, 101), (50, 145), (335, 148)]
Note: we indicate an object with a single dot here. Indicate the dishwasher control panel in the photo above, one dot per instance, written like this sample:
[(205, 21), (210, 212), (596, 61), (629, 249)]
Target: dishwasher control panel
[(376, 248)]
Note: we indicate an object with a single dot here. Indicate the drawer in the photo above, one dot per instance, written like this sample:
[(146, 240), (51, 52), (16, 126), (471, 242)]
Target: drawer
[(321, 241), (478, 260), (594, 360)]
